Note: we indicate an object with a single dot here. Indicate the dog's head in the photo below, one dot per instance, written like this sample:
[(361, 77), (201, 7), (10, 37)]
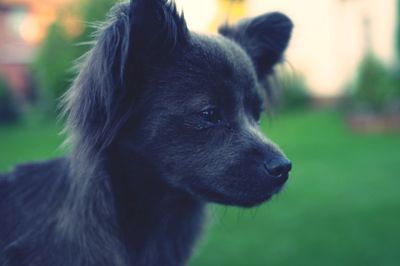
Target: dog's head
[(186, 105)]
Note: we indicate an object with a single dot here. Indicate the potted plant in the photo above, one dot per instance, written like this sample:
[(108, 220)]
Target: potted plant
[(373, 103)]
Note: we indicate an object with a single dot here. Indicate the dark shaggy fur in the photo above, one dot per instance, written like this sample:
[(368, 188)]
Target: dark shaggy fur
[(161, 120)]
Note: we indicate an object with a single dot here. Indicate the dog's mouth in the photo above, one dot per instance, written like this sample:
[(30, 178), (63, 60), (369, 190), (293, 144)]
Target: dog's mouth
[(247, 194), (274, 188), (279, 182)]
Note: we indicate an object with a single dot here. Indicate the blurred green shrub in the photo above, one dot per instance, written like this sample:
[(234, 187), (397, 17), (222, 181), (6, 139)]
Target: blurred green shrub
[(376, 87), (294, 93), (53, 67), (8, 108)]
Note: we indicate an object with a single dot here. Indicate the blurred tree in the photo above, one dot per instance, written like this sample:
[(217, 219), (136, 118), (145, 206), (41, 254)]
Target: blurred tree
[(375, 86), (93, 12), (8, 108), (53, 63), (58, 52), (294, 93), (228, 11)]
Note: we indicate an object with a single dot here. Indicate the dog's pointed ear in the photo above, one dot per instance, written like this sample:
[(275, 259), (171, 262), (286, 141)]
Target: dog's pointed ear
[(264, 38), (136, 35), (157, 29)]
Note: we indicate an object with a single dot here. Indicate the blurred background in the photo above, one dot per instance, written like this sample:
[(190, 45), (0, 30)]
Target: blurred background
[(337, 117)]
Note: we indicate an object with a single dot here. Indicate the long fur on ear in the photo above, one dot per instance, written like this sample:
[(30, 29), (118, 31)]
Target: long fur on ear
[(98, 104), (265, 38), (136, 36), (91, 103)]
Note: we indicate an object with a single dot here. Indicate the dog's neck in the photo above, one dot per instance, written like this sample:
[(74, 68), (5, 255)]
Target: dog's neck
[(144, 220), (153, 217)]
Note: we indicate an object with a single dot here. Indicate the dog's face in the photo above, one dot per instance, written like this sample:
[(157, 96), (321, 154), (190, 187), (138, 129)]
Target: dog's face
[(200, 125), (198, 101)]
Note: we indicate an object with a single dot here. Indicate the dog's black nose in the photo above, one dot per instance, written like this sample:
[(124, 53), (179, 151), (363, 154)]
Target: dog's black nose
[(279, 166)]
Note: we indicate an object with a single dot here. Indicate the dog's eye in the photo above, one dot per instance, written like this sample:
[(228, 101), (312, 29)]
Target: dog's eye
[(211, 115), (256, 108), (257, 117), (257, 113)]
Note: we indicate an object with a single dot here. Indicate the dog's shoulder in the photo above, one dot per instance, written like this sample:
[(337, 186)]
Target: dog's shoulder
[(28, 171), (29, 192), (28, 181)]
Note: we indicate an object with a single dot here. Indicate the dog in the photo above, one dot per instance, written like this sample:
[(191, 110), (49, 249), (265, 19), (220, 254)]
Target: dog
[(161, 121)]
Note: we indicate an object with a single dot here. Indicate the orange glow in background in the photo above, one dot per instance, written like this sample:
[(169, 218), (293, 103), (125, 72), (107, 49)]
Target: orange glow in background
[(30, 30), (328, 39)]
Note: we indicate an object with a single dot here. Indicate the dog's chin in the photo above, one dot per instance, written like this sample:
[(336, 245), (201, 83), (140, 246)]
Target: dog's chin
[(248, 200), (238, 196)]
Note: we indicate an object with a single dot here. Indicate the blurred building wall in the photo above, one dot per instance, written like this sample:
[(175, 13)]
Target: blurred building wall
[(14, 53), (23, 25), (330, 36)]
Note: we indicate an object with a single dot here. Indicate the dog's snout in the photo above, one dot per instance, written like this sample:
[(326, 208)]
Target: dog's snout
[(278, 167)]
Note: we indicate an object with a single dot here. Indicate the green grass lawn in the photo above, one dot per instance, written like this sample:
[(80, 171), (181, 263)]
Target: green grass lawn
[(341, 205), (32, 139)]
